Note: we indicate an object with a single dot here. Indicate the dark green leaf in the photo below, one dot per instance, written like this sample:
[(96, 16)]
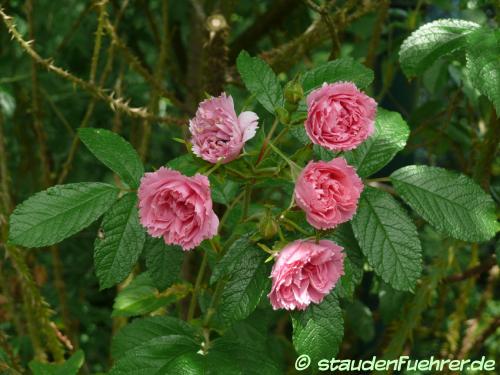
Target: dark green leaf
[(187, 164), (260, 80), (52, 215), (120, 243), (300, 134), (431, 41), (353, 261), (144, 331), (344, 69), (318, 330), (390, 136), (248, 282), (452, 203), (388, 238), (114, 152), (163, 261)]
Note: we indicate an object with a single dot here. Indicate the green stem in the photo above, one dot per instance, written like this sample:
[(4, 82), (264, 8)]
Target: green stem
[(266, 141), (294, 225), (197, 286)]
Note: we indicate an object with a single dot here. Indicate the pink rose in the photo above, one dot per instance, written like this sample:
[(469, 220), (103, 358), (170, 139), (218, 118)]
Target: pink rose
[(328, 192), (339, 116), (217, 133), (177, 207), (305, 272)]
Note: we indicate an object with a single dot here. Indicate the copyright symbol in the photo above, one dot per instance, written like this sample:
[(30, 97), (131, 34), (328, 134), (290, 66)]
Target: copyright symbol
[(302, 362)]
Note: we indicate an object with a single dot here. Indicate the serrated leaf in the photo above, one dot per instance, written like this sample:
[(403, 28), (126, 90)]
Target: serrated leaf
[(388, 238), (431, 41), (260, 80), (300, 134), (318, 330), (69, 367), (52, 215), (483, 63), (160, 355), (163, 261), (143, 331), (390, 136), (116, 251), (353, 262), (344, 69), (140, 297), (248, 282), (451, 202), (114, 152), (232, 257)]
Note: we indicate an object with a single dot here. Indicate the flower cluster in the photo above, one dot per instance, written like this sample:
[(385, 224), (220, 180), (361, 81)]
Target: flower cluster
[(179, 208)]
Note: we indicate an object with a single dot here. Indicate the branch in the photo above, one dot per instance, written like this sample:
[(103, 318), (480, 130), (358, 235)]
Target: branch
[(115, 103), (473, 271)]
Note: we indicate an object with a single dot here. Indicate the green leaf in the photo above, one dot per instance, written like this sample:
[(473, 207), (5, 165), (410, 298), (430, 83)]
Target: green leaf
[(318, 330), (300, 134), (390, 136), (144, 331), (360, 319), (121, 241), (388, 238), (223, 189), (186, 164), (163, 261), (248, 282), (483, 63), (344, 69), (115, 153), (353, 261), (69, 367), (451, 202), (140, 297), (233, 256), (260, 80), (431, 41), (50, 216)]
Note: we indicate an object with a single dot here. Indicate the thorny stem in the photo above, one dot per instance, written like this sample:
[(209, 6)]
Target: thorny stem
[(116, 103)]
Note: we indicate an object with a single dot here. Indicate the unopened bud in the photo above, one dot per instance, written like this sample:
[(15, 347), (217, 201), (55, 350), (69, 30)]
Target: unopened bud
[(293, 92), (283, 115), (268, 226)]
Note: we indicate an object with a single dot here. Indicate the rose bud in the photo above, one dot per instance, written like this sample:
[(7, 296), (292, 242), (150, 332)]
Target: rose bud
[(339, 116), (328, 192), (177, 208), (218, 135), (305, 272)]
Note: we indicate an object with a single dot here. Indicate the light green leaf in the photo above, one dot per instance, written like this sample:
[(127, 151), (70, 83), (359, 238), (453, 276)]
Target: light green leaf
[(344, 69), (390, 136), (140, 297), (115, 153), (50, 216), (248, 282), (483, 63), (163, 261), (388, 238), (121, 241), (431, 41), (260, 80), (318, 330), (452, 203), (69, 367), (187, 164)]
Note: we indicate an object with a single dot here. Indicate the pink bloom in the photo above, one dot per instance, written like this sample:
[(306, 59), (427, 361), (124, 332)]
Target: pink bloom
[(328, 192), (177, 207), (339, 116), (217, 133), (305, 272)]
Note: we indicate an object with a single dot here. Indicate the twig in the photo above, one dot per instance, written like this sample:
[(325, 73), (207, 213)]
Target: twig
[(472, 272), (197, 285)]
